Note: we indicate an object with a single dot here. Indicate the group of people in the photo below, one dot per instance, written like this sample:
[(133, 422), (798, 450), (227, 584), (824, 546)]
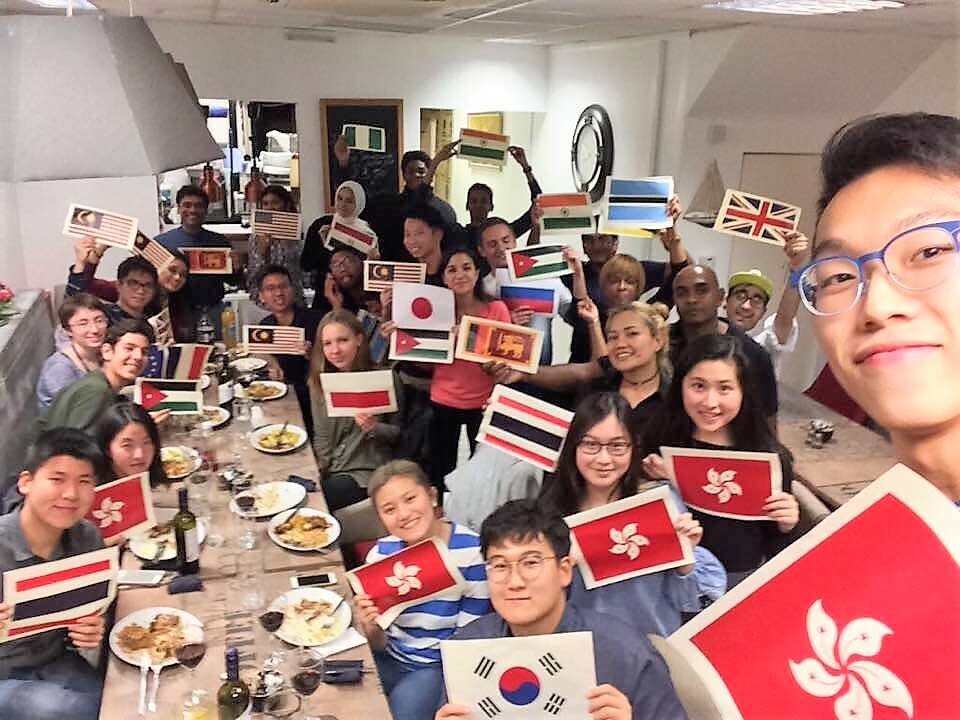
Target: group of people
[(880, 279)]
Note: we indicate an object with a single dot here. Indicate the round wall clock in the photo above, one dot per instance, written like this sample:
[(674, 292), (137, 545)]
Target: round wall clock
[(591, 151)]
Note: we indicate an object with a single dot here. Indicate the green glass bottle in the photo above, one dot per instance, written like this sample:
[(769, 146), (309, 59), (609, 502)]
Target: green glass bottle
[(233, 697), (185, 532)]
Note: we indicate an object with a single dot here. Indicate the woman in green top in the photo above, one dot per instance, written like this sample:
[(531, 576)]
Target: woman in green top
[(348, 449)]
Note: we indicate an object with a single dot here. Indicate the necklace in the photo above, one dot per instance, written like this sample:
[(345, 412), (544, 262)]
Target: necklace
[(639, 383), (82, 360)]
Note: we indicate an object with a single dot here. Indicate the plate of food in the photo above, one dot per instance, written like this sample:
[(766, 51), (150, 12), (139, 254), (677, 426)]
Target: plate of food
[(216, 415), (311, 616), (279, 438), (179, 461), (158, 543), (158, 631), (266, 390), (268, 499), (248, 364), (304, 529)]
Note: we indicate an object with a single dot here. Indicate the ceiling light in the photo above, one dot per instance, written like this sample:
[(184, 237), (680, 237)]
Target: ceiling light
[(803, 7), (64, 4)]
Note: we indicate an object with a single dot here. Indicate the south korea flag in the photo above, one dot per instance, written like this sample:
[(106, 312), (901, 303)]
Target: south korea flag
[(541, 677)]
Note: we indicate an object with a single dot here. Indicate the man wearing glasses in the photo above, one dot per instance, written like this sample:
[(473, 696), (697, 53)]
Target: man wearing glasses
[(136, 289), (527, 555)]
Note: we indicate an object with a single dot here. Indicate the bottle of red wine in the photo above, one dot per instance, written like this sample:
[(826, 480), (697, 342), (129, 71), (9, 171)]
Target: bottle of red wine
[(233, 697), (185, 532)]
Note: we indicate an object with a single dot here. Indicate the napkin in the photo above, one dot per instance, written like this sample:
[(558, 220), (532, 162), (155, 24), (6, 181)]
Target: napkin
[(308, 485), (349, 640), (185, 584)]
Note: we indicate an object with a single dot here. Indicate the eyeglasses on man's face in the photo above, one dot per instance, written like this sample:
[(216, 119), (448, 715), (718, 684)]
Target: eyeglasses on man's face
[(528, 567)]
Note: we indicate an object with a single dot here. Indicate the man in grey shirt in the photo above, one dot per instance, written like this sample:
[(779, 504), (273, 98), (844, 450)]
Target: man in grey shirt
[(527, 553), (41, 676)]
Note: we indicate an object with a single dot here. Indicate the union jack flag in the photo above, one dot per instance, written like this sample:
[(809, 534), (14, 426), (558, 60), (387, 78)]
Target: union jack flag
[(756, 217)]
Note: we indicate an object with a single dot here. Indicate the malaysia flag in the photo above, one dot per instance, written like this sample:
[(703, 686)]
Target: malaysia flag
[(123, 506), (371, 392), (378, 275), (108, 228), (152, 251), (274, 339)]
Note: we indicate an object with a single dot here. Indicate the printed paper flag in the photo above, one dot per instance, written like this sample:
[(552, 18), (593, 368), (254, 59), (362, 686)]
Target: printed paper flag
[(123, 506), (566, 213), (856, 619), (161, 327), (186, 361), (541, 677), (344, 233), (423, 307), (429, 346), (421, 572), (483, 147), (209, 261), (537, 262), (180, 397), (155, 358), (480, 340), (378, 275), (274, 339), (635, 207), (725, 483), (755, 217), (365, 137), (276, 224), (542, 300), (525, 427), (152, 251), (107, 227), (371, 392), (53, 595), (628, 538)]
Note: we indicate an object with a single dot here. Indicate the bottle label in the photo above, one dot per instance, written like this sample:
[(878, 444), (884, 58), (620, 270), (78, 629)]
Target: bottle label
[(191, 547)]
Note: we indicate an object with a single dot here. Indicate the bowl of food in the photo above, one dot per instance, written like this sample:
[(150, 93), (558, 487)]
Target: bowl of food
[(279, 438), (179, 461), (266, 390), (311, 616), (157, 631), (304, 529)]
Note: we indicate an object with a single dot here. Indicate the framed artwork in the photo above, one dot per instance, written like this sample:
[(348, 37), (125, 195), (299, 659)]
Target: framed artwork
[(374, 129), (491, 122)]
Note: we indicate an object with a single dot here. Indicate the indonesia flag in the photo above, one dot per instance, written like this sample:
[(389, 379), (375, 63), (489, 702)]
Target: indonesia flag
[(53, 595), (123, 506), (186, 361), (537, 262), (540, 677), (347, 394), (483, 147), (525, 427), (429, 346), (180, 397), (414, 575), (565, 213), (541, 300), (360, 238)]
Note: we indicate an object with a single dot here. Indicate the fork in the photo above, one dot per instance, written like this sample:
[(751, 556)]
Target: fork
[(144, 667), (152, 703), (161, 548)]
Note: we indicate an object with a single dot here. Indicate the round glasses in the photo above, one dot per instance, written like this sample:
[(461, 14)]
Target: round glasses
[(916, 260), (617, 448), (528, 568)]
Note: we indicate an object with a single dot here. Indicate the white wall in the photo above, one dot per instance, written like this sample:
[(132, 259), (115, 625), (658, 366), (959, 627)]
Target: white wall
[(12, 269)]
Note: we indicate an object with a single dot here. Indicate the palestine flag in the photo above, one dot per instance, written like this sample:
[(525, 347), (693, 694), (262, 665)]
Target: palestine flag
[(180, 397), (566, 213), (537, 262), (430, 346), (483, 147)]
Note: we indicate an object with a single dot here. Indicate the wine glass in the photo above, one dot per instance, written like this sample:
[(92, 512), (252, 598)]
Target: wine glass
[(189, 654), (307, 674), (270, 621)]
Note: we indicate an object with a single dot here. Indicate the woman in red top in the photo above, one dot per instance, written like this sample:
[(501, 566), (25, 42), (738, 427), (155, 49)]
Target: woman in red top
[(459, 391)]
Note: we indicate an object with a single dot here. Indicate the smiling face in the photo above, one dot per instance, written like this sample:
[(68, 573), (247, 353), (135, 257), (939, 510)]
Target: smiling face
[(895, 352), (712, 394), (340, 345), (406, 508), (420, 239), (173, 275), (127, 358), (276, 293), (630, 344), (746, 305), (346, 268), (414, 174), (135, 291), (131, 451), (697, 295), (461, 274), (193, 211), (494, 243), (60, 492), (604, 470), (87, 328), (479, 205), (345, 204)]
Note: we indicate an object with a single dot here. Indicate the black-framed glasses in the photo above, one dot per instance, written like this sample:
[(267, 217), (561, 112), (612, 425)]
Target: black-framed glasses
[(137, 285), (528, 567), (917, 260), (617, 448)]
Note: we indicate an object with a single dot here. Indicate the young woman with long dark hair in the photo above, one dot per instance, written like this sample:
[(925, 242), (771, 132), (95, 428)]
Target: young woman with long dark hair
[(129, 439)]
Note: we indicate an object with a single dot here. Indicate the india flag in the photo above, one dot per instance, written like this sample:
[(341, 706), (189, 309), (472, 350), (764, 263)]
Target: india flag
[(365, 137), (430, 346), (565, 213), (483, 147), (537, 262)]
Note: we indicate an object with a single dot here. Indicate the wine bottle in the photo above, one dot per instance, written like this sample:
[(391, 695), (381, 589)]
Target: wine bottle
[(233, 697), (185, 532)]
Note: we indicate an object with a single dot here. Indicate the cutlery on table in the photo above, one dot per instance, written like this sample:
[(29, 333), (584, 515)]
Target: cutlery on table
[(144, 667), (152, 702)]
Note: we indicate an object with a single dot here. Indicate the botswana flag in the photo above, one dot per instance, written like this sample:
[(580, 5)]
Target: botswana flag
[(522, 426)]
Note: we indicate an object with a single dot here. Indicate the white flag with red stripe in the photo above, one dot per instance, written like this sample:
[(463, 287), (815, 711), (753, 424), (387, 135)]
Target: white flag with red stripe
[(371, 392), (356, 234)]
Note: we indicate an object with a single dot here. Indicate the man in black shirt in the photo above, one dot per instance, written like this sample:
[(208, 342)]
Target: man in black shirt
[(698, 296), (480, 201)]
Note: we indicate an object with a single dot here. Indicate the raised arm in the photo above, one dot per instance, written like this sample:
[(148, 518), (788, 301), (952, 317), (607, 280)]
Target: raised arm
[(797, 249), (524, 223), (549, 377)]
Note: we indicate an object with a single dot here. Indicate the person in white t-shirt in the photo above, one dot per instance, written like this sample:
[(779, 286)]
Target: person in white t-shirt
[(748, 294)]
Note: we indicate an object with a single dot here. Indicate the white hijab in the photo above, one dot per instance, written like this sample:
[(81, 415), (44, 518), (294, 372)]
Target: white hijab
[(359, 198)]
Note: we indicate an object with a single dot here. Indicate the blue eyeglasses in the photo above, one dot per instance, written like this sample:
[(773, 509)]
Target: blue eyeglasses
[(917, 259)]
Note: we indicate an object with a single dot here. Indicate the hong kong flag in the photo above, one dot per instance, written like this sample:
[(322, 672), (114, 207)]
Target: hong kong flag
[(123, 506), (856, 620), (414, 575), (725, 482), (631, 537)]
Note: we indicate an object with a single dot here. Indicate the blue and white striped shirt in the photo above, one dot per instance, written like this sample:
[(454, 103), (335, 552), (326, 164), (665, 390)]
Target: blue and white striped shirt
[(414, 637)]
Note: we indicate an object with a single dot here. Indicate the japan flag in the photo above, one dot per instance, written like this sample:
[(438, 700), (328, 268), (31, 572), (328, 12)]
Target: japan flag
[(123, 506), (857, 620)]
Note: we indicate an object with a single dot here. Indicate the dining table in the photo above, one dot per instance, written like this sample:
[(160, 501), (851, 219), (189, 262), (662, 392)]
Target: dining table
[(238, 582)]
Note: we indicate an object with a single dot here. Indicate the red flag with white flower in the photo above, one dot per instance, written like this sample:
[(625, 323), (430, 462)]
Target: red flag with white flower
[(123, 506), (855, 620), (631, 537), (412, 576), (726, 483)]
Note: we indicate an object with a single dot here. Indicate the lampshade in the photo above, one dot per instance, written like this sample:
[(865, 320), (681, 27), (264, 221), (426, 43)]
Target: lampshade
[(95, 97)]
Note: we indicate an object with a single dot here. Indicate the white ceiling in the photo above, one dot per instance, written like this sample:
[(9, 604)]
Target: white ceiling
[(542, 22)]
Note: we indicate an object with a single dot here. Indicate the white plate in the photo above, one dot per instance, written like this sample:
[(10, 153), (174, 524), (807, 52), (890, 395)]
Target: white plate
[(341, 620), (191, 454), (144, 617), (145, 547), (268, 383), (286, 495), (223, 415), (266, 429), (332, 534), (248, 364), (205, 382)]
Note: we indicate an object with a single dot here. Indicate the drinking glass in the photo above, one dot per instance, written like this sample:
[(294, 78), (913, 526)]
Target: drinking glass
[(190, 654), (306, 674), (270, 621)]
